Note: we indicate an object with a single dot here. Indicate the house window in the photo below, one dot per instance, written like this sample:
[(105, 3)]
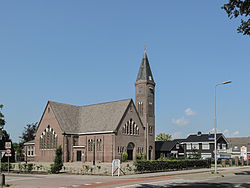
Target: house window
[(188, 146), (195, 146), (205, 146), (99, 144), (29, 151), (32, 151), (177, 146), (90, 145), (220, 146), (224, 146), (48, 139), (235, 147)]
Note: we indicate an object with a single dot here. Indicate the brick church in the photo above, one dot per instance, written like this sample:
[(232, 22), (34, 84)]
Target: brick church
[(99, 132)]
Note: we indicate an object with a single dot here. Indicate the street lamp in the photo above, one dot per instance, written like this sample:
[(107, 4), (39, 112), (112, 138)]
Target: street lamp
[(215, 132)]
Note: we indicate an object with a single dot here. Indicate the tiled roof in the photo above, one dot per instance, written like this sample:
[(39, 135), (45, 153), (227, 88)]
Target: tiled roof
[(92, 118), (145, 71), (202, 137), (239, 141)]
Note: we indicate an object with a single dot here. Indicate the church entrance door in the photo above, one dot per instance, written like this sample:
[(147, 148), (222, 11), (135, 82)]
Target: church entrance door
[(130, 150)]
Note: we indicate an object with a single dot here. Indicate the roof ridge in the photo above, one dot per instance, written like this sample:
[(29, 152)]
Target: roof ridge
[(106, 102), (64, 103), (204, 134)]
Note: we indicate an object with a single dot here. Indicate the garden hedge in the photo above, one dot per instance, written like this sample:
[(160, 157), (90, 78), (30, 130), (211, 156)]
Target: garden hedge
[(169, 165)]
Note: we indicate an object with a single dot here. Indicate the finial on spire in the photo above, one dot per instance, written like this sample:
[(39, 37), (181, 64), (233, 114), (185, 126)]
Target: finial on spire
[(145, 47)]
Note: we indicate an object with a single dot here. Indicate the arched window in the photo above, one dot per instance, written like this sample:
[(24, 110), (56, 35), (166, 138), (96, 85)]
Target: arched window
[(48, 139), (140, 108), (99, 144), (130, 128)]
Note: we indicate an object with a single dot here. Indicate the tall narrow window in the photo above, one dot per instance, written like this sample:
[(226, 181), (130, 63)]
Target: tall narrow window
[(48, 139), (140, 108), (99, 144)]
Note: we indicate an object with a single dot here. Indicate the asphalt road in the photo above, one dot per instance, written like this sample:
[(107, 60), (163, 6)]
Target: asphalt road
[(223, 180), (236, 177)]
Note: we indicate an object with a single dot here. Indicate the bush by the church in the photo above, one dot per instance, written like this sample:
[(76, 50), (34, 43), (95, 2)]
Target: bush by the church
[(124, 156), (138, 156), (169, 165), (58, 163), (5, 166)]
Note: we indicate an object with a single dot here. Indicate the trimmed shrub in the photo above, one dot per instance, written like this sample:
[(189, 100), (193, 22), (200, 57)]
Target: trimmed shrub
[(167, 165), (30, 167), (124, 156), (5, 166), (138, 156)]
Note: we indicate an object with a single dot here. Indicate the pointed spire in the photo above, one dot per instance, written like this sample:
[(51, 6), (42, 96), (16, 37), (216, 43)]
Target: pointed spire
[(145, 71)]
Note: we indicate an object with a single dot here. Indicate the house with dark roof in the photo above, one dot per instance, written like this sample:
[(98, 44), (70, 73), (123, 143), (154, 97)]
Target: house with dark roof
[(169, 149), (195, 145), (203, 145), (101, 132)]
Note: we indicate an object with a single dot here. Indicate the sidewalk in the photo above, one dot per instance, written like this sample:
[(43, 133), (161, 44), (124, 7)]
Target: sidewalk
[(143, 175)]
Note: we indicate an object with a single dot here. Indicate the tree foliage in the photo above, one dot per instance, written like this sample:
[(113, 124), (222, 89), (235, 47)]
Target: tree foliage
[(19, 151), (2, 121), (5, 137), (58, 163), (163, 137), (29, 132), (235, 8)]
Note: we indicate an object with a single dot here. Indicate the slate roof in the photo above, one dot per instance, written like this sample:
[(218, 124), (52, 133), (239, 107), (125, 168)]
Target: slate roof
[(165, 145), (202, 137), (92, 118), (145, 71)]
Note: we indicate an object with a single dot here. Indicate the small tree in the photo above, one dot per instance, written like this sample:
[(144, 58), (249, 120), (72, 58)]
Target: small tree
[(124, 156), (163, 137), (58, 163)]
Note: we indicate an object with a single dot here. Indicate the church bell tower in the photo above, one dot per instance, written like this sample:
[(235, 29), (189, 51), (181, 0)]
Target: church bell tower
[(145, 104)]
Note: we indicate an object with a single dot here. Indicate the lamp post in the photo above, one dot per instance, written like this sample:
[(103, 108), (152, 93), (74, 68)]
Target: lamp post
[(215, 131)]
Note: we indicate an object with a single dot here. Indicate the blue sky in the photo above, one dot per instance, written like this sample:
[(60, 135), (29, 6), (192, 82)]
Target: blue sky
[(86, 52)]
